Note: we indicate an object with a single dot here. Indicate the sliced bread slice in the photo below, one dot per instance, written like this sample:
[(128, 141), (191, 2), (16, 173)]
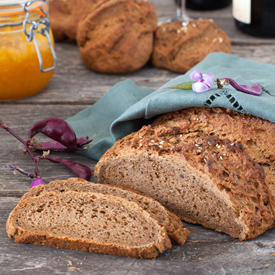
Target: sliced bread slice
[(89, 222), (167, 219)]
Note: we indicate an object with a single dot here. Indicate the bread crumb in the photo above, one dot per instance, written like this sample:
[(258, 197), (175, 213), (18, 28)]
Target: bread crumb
[(73, 269), (185, 29), (70, 263)]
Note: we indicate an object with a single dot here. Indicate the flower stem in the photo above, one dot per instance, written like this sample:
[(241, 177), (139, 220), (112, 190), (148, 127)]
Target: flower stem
[(15, 168), (4, 126)]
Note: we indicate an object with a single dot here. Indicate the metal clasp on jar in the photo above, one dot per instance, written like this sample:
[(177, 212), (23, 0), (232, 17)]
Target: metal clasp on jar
[(31, 32), (30, 35)]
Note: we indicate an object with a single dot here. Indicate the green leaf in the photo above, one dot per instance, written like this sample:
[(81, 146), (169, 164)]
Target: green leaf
[(183, 86)]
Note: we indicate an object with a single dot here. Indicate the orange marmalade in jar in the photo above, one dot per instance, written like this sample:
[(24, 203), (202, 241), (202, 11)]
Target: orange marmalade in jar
[(27, 57)]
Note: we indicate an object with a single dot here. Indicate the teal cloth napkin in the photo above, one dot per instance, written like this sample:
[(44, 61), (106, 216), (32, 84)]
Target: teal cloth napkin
[(126, 107)]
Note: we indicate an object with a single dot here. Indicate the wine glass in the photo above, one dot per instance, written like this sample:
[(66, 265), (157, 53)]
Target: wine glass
[(181, 13)]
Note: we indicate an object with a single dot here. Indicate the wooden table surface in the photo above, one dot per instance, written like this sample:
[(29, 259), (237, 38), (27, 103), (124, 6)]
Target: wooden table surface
[(73, 88)]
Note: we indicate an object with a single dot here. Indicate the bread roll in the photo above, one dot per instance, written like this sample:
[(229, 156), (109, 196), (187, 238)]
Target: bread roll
[(178, 48), (117, 37)]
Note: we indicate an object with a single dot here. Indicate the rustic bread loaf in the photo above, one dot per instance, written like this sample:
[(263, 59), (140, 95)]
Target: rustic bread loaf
[(65, 16), (87, 221), (255, 134), (178, 48), (202, 179), (165, 218), (117, 37)]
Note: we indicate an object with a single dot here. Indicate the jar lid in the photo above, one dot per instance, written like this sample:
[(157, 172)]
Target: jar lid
[(8, 7)]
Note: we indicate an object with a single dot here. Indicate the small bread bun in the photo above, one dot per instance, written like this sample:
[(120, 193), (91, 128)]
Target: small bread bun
[(178, 48), (65, 16), (117, 37)]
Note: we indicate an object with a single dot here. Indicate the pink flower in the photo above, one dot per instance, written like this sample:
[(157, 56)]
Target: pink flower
[(203, 82)]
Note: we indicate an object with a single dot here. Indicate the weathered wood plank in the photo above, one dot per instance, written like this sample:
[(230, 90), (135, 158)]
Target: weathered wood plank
[(260, 53), (206, 252)]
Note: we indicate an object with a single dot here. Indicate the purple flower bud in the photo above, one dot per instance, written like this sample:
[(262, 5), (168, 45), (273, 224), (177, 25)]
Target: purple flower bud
[(56, 129), (80, 170), (255, 88), (57, 146), (3, 125), (37, 182)]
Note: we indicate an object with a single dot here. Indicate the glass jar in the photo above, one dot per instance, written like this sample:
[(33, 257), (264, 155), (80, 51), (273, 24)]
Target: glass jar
[(27, 57)]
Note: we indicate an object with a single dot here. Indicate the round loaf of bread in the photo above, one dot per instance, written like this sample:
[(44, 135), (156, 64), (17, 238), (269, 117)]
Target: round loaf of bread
[(117, 37), (65, 15), (203, 179), (179, 48)]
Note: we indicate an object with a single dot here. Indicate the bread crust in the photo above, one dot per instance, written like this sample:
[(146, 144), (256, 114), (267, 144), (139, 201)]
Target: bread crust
[(255, 134), (179, 48), (16, 228)]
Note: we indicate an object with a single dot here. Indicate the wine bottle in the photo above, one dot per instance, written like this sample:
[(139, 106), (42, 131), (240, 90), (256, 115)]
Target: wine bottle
[(207, 4), (255, 17)]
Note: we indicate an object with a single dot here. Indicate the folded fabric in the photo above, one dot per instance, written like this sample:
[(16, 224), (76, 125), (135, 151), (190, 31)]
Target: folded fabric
[(126, 107)]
